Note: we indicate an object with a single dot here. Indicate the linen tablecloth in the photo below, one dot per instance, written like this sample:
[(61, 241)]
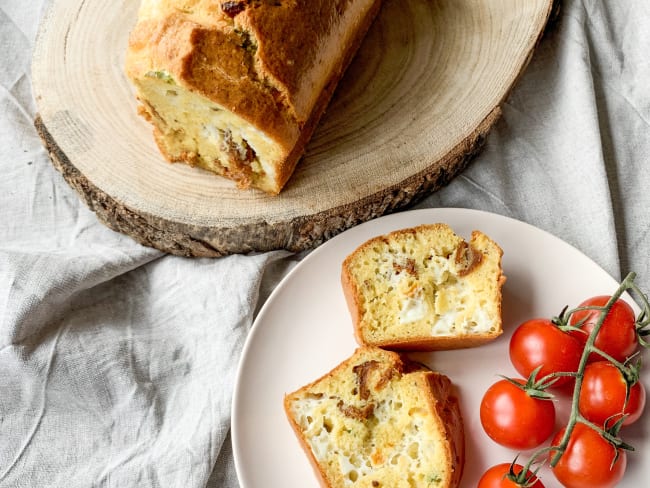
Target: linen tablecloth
[(117, 362)]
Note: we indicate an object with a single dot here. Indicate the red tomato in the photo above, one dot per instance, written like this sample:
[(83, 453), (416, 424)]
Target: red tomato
[(539, 342), (617, 336), (603, 393), (496, 477), (588, 461), (512, 418)]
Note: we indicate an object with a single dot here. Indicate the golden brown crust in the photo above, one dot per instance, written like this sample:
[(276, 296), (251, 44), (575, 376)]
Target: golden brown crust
[(216, 64), (447, 408), (352, 300), (466, 256), (320, 474), (261, 60), (441, 343), (437, 395)]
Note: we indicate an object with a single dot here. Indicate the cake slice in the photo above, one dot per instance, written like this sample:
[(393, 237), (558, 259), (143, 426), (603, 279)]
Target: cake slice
[(378, 420), (237, 87), (425, 288)]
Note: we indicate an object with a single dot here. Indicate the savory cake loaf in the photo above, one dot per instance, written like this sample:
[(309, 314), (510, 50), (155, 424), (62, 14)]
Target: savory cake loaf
[(378, 420), (237, 87), (425, 288)]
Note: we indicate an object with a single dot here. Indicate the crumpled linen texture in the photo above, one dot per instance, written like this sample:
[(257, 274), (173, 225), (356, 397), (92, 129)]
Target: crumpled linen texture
[(117, 362)]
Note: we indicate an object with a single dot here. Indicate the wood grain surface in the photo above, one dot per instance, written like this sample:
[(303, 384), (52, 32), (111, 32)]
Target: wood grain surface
[(413, 108)]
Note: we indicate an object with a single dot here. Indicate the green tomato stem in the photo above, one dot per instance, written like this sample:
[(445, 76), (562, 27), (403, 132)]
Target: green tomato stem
[(642, 322), (589, 348)]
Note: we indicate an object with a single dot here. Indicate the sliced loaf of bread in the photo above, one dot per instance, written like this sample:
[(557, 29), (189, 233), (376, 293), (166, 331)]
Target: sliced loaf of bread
[(425, 288), (379, 420), (238, 87)]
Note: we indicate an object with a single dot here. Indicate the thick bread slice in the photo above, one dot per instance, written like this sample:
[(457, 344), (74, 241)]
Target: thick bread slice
[(425, 288), (237, 87), (378, 420)]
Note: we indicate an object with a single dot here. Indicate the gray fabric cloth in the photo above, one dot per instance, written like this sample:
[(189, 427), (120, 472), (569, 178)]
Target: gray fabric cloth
[(117, 362)]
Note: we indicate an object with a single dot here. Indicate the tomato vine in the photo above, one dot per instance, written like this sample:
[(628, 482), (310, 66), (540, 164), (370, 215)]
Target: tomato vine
[(629, 371)]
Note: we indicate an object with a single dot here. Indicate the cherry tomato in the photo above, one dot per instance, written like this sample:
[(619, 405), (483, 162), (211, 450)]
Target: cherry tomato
[(496, 477), (617, 336), (588, 461), (512, 418), (603, 394), (539, 342)]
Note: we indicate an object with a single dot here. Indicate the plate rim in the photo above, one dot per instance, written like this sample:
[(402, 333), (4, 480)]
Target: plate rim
[(430, 214)]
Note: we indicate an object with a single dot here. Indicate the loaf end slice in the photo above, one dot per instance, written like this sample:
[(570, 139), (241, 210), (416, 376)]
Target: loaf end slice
[(425, 288), (237, 87), (378, 420)]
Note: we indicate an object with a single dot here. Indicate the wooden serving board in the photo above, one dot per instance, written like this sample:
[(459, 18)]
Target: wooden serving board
[(412, 109)]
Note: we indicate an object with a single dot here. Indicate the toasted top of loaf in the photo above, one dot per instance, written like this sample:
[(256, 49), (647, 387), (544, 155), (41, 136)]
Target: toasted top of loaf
[(377, 420), (425, 288), (265, 61)]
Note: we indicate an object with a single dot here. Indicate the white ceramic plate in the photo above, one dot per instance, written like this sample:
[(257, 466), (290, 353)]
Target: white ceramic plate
[(304, 330)]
